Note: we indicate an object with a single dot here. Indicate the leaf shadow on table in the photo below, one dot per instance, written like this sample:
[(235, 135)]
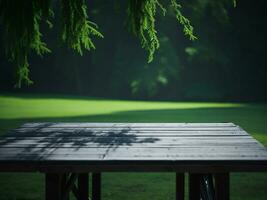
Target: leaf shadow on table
[(44, 140)]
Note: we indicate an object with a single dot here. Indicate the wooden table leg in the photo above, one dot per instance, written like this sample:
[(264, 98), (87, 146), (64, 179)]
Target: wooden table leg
[(194, 186), (222, 186), (53, 186), (83, 186), (64, 182), (96, 186), (180, 186)]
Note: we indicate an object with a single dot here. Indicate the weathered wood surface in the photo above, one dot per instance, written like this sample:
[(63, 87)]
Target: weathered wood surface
[(140, 146)]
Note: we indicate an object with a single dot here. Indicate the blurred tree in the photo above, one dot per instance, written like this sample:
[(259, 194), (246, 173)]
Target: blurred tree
[(21, 21), (226, 63)]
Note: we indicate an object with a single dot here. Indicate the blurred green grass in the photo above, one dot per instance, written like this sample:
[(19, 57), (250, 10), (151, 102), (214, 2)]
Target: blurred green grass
[(18, 109)]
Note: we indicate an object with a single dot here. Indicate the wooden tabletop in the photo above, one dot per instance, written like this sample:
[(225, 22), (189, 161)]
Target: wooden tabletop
[(90, 147)]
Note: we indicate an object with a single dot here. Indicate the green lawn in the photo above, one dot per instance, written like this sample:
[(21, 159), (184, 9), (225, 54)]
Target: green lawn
[(18, 109)]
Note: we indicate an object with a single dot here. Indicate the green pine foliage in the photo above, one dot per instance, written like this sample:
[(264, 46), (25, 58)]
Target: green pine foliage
[(141, 20), (77, 29), (20, 21), (187, 28), (21, 32)]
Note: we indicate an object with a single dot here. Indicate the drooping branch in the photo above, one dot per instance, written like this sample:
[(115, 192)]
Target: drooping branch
[(21, 20), (77, 29), (141, 20), (187, 27)]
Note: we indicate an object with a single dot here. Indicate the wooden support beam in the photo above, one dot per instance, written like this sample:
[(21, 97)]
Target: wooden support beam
[(65, 195), (69, 184), (83, 186), (222, 186), (207, 187), (180, 186), (53, 186), (96, 186), (194, 186), (75, 191)]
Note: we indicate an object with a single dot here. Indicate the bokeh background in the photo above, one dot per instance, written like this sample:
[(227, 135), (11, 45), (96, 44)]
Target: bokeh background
[(226, 63)]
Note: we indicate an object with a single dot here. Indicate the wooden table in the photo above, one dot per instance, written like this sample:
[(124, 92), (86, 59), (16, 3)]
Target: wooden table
[(68, 152)]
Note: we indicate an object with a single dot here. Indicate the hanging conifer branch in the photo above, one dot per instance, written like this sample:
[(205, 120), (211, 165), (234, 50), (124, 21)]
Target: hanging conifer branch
[(187, 28), (141, 20), (21, 20), (77, 29)]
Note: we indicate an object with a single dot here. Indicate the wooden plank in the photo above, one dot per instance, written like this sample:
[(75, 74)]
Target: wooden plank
[(192, 157), (130, 153), (135, 150), (75, 192), (113, 129), (135, 145), (85, 159), (123, 137), (194, 186), (123, 125), (129, 134), (222, 186), (149, 143), (65, 194), (125, 128), (135, 158), (83, 186), (210, 143), (46, 157), (207, 187), (182, 166), (133, 139), (180, 186), (90, 124), (117, 142), (151, 129), (130, 142), (145, 156), (96, 186), (125, 134), (199, 166), (69, 183), (30, 157)]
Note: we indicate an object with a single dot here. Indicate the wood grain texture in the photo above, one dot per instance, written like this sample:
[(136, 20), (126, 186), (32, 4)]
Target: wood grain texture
[(131, 144)]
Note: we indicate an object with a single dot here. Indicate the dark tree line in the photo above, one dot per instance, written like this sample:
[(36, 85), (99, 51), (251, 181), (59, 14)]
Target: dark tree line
[(226, 63)]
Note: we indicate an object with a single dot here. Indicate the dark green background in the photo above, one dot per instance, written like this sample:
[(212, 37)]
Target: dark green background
[(226, 63)]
